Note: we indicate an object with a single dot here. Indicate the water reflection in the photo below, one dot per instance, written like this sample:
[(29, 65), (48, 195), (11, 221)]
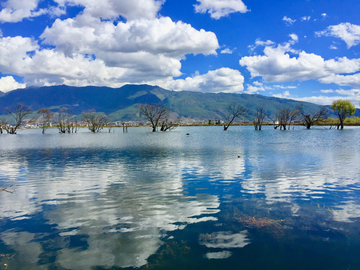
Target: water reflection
[(116, 201)]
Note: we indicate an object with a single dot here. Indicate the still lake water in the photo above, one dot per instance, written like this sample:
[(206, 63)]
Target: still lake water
[(240, 199)]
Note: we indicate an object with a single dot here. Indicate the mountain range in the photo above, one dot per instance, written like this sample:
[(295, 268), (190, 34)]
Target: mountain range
[(122, 103)]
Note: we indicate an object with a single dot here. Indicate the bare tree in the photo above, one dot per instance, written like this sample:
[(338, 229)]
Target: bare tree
[(167, 125), (95, 121), (66, 123), (259, 116), (286, 116), (18, 113), (234, 112), (311, 119), (46, 118), (157, 114)]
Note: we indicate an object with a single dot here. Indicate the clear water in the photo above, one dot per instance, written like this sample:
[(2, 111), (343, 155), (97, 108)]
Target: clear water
[(238, 199)]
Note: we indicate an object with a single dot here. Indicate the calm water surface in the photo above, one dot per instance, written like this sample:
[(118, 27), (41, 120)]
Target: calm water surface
[(238, 199)]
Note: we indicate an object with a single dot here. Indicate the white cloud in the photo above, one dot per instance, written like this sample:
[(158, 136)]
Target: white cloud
[(89, 51), (259, 42), (288, 21), (284, 87), (327, 91), (324, 15), (276, 65), (326, 100), (110, 9), (305, 18), (351, 80), (221, 80), (158, 36), (333, 47), (17, 10), (294, 37), (220, 8), (255, 88), (227, 51), (285, 94), (349, 33), (8, 83), (259, 86)]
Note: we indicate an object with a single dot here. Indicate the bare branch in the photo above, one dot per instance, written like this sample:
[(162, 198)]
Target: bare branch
[(234, 112), (311, 119), (95, 121), (46, 118), (155, 114), (18, 113), (259, 116)]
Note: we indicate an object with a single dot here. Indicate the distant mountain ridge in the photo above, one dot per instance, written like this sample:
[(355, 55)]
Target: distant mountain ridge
[(121, 103)]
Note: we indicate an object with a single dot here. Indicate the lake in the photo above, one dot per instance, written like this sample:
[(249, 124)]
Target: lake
[(240, 199)]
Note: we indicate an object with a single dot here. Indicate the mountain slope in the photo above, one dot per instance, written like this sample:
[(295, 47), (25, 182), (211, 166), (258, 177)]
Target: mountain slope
[(121, 103)]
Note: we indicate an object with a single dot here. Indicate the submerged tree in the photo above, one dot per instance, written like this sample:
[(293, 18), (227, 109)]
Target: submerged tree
[(46, 118), (234, 112), (18, 112), (343, 108), (259, 117), (312, 119), (157, 115), (95, 121), (286, 116), (66, 121)]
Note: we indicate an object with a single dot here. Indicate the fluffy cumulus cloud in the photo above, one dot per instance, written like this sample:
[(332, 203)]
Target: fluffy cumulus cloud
[(17, 10), (349, 33), (88, 50), (221, 80), (111, 9), (220, 8), (8, 83), (351, 80), (284, 64)]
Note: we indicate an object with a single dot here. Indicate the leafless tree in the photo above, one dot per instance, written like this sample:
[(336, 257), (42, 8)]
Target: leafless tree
[(18, 113), (66, 123), (311, 119), (286, 116), (234, 112), (46, 118), (259, 117), (95, 121), (157, 114), (167, 125)]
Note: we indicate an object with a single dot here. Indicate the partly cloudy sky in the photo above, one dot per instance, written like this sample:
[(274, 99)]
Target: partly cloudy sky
[(301, 49)]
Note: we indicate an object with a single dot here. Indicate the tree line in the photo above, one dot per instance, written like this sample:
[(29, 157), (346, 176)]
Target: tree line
[(158, 116)]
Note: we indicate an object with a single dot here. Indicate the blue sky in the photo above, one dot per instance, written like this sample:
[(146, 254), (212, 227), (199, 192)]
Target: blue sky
[(302, 49)]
